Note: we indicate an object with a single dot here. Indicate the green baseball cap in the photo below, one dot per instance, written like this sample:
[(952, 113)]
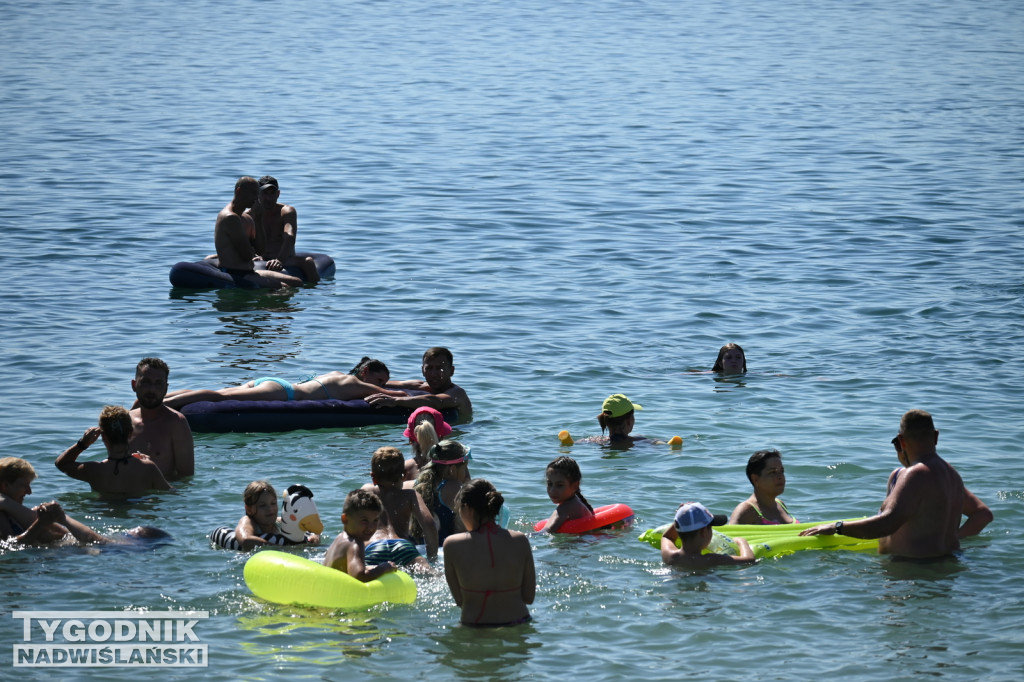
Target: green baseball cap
[(619, 405)]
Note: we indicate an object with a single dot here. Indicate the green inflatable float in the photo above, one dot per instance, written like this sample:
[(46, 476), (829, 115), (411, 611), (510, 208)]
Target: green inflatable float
[(766, 541), (288, 579)]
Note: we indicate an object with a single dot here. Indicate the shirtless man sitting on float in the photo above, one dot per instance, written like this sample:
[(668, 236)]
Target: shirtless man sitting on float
[(276, 226), (920, 517), (233, 235)]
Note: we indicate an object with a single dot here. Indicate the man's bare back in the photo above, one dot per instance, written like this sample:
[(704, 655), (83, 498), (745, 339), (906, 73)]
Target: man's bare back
[(930, 495), (920, 515)]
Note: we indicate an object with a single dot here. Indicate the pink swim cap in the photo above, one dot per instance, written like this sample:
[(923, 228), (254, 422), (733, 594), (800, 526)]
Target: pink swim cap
[(440, 425)]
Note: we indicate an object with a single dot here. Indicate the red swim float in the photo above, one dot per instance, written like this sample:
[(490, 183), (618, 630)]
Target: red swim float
[(608, 515)]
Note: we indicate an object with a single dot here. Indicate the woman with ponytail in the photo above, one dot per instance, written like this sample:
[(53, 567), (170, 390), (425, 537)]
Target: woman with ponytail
[(489, 569)]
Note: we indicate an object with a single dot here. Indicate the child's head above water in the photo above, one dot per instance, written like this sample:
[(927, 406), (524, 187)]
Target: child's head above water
[(429, 415), (694, 517), (387, 465), (563, 480), (253, 491), (260, 500), (617, 414), (361, 513), (450, 452), (362, 500)]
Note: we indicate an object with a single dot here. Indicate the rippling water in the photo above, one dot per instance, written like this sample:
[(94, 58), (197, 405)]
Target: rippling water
[(578, 199)]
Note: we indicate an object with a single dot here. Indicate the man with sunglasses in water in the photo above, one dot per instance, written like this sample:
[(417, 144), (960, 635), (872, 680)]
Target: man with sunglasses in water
[(920, 517), (276, 225)]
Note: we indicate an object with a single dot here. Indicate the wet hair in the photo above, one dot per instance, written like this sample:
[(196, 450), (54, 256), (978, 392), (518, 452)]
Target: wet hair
[(15, 468), (917, 425), (431, 474), (568, 467), (721, 354), (116, 424), (439, 352), (610, 423), (480, 496), (368, 364), (155, 363), (758, 460), (388, 464), (253, 491), (362, 500)]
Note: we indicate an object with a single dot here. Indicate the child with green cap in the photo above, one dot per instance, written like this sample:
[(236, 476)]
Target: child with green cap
[(617, 418)]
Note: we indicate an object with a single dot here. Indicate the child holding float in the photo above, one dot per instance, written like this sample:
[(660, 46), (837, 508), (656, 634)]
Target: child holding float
[(299, 523), (692, 527), (563, 482), (573, 513), (360, 517), (617, 417)]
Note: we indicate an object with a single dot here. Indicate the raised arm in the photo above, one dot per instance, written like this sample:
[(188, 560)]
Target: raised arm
[(289, 230), (68, 462), (669, 551)]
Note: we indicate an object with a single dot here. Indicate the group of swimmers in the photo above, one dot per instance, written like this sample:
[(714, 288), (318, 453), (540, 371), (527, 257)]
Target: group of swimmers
[(430, 498), (495, 585)]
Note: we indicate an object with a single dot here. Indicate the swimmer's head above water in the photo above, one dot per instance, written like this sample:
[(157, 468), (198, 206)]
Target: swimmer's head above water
[(731, 360), (617, 415)]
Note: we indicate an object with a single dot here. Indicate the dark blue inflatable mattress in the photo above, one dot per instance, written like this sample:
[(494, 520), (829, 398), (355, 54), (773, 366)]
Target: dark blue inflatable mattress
[(206, 274), (251, 416)]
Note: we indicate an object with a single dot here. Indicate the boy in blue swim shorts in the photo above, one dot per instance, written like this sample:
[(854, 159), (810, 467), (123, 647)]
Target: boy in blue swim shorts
[(391, 542), (361, 517)]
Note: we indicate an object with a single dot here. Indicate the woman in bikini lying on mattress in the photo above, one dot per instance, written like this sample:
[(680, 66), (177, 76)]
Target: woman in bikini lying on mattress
[(366, 378)]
